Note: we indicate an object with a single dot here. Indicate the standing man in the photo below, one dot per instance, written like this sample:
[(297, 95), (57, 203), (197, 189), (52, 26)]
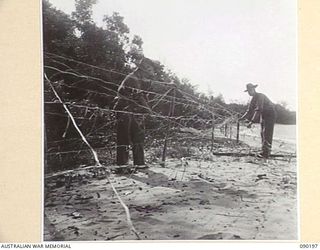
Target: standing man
[(131, 102), (263, 109)]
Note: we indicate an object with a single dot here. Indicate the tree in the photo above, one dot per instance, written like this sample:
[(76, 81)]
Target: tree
[(114, 23), (83, 12), (285, 116), (135, 52), (58, 30)]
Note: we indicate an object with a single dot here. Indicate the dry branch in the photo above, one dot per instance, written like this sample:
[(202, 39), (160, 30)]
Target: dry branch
[(251, 154)]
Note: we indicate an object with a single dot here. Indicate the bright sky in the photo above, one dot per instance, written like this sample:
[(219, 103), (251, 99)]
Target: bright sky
[(220, 46)]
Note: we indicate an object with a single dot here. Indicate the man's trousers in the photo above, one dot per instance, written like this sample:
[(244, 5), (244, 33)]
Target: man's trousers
[(267, 128), (130, 132)]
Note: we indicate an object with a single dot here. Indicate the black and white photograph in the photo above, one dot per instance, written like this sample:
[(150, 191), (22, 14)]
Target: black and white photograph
[(170, 120)]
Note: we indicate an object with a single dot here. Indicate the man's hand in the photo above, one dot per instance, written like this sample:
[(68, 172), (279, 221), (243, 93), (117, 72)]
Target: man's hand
[(249, 125)]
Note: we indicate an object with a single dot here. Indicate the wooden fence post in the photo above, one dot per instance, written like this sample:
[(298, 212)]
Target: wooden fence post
[(225, 129), (238, 130), (212, 132)]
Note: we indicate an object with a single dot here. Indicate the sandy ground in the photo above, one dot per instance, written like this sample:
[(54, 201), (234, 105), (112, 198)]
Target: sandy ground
[(203, 197)]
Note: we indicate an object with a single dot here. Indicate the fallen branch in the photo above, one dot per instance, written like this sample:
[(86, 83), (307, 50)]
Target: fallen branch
[(229, 215), (61, 173), (251, 154)]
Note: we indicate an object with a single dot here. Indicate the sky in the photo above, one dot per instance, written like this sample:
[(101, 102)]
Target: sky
[(220, 46)]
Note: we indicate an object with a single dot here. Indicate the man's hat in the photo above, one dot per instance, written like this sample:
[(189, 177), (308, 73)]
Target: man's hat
[(251, 86)]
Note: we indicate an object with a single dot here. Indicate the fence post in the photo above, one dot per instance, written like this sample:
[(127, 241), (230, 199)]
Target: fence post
[(171, 112), (238, 130), (225, 129), (212, 132)]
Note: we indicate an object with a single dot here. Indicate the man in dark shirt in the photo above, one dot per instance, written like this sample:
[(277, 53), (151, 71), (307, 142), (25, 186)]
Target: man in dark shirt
[(131, 102), (263, 109)]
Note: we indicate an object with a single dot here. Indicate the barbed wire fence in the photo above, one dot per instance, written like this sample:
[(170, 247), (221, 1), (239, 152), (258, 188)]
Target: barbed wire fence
[(101, 119), (87, 113), (80, 122), (98, 120)]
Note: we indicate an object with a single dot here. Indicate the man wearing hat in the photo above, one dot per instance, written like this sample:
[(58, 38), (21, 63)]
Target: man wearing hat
[(263, 109)]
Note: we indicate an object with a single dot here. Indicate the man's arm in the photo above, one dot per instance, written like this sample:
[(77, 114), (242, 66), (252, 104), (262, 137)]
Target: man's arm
[(248, 111), (258, 110), (259, 107), (244, 115), (254, 117)]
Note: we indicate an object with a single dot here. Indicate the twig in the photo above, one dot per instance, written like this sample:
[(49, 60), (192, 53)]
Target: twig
[(65, 131), (229, 215), (184, 170)]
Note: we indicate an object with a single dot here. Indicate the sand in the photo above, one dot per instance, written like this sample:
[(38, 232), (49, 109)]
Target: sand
[(201, 197)]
